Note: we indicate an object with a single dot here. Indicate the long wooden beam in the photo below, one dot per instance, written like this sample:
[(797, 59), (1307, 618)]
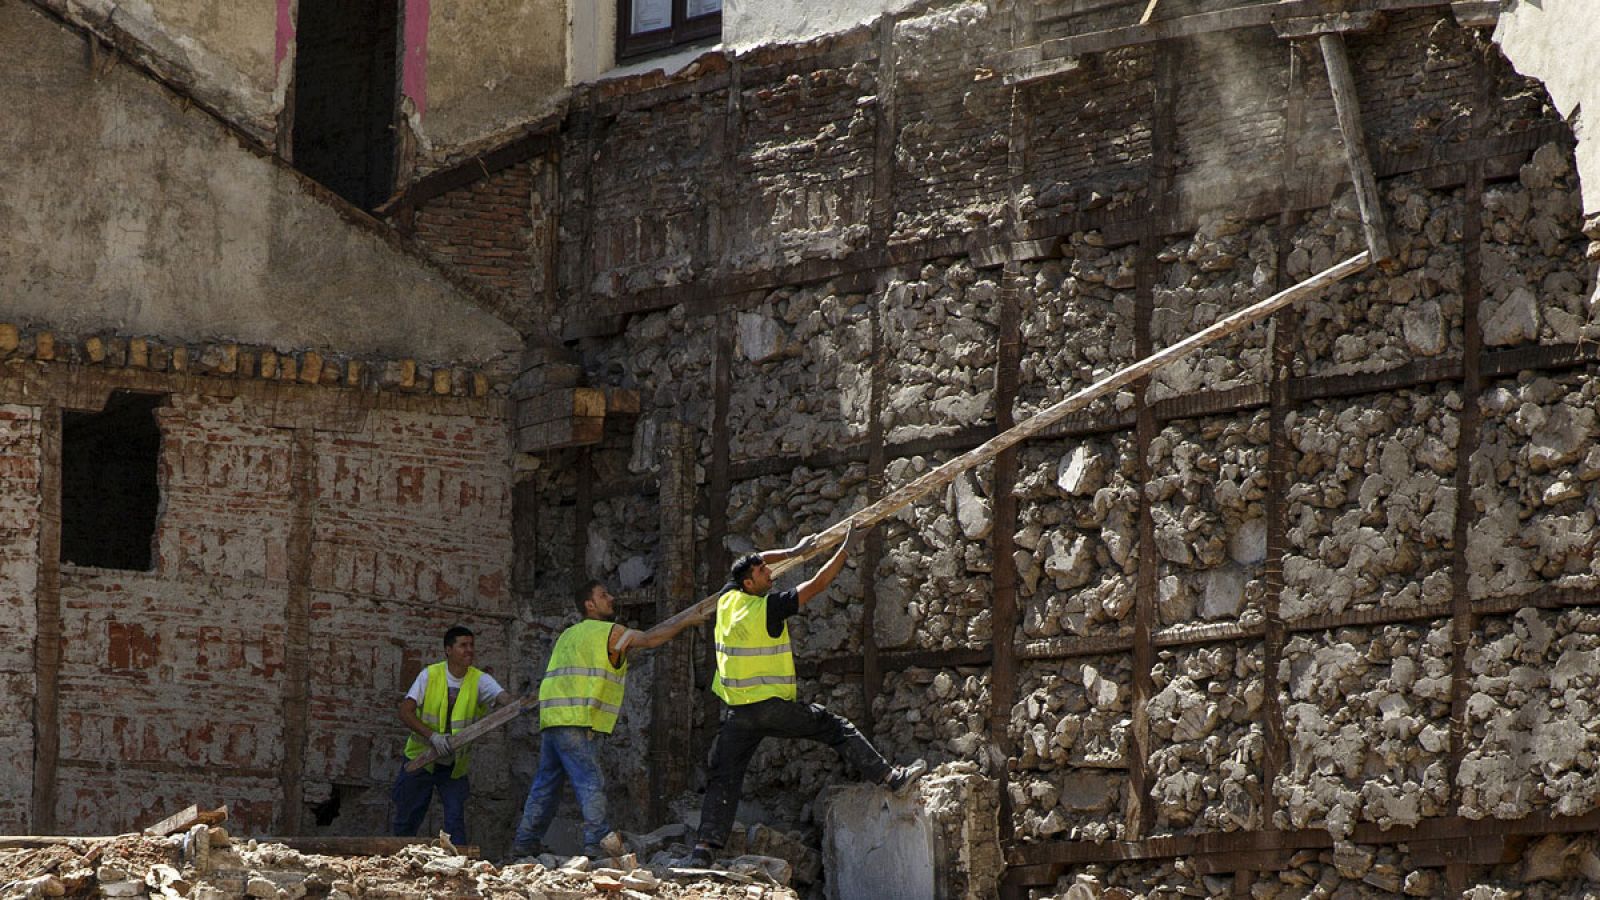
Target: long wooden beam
[(942, 476), (1348, 109), (479, 728)]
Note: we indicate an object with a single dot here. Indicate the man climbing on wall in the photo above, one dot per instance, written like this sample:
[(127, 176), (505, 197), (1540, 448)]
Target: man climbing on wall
[(579, 700), (756, 680), (445, 698)]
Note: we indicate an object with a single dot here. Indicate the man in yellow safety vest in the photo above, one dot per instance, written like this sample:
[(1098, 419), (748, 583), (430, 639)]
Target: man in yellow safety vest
[(756, 680), (445, 698), (579, 699)]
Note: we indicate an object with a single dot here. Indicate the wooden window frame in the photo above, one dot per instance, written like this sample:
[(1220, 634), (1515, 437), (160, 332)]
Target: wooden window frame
[(684, 30)]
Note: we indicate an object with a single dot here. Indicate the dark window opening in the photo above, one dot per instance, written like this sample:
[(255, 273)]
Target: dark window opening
[(109, 493), (647, 26), (346, 75)]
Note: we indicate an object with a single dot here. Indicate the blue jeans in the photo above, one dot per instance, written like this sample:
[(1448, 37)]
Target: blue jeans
[(564, 753), (414, 790)]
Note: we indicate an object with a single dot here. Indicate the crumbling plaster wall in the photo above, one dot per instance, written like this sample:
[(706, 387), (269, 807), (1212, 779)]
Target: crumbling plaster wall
[(232, 55), (491, 66), (141, 216)]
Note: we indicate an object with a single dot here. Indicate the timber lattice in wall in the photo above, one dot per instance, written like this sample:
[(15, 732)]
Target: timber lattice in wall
[(1483, 158)]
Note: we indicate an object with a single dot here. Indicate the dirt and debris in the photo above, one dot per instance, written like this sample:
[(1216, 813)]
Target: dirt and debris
[(206, 863)]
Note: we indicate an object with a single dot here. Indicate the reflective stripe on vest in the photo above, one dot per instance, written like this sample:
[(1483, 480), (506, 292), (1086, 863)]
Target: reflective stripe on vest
[(752, 665), (581, 688), (432, 711)]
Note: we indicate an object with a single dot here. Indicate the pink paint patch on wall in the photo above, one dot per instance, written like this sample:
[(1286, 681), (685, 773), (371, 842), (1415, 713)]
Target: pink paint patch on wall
[(414, 71), (285, 33)]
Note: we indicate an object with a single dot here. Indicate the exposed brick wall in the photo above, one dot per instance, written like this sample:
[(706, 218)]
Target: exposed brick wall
[(173, 682), (19, 567), (485, 231)]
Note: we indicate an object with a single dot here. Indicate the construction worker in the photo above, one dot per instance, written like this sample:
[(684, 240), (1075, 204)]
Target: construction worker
[(445, 698), (579, 699), (756, 680)]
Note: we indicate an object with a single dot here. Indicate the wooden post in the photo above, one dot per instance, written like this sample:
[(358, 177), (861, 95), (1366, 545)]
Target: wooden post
[(671, 732), (47, 622), (1345, 104), (297, 633)]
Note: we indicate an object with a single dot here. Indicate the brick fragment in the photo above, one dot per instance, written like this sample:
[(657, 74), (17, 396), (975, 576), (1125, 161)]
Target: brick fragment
[(139, 353), (44, 345), (9, 337), (95, 349), (311, 367)]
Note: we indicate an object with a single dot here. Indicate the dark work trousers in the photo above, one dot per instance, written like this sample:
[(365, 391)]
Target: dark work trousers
[(742, 729)]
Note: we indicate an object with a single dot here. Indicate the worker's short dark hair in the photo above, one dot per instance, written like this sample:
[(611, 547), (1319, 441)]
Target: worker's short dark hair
[(456, 631), (581, 600), (742, 569)]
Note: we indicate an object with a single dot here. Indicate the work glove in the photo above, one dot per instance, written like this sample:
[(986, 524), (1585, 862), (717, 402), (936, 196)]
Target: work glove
[(806, 545), (441, 743)]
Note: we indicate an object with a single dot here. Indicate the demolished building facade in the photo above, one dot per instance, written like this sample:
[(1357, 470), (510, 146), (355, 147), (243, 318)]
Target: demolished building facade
[(1313, 608)]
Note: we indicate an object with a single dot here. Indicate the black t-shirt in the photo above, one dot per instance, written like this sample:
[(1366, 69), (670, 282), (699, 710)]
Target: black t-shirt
[(780, 606)]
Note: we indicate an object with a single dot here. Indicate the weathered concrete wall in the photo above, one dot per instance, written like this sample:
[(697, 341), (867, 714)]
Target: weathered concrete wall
[(234, 56), (491, 66), (139, 216), (322, 562)]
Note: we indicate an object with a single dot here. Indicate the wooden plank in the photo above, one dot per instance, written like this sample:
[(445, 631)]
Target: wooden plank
[(622, 402), (1149, 10), (574, 432), (941, 476), (187, 818), (1255, 15), (1316, 26), (478, 729), (1348, 109), (328, 845), (558, 405)]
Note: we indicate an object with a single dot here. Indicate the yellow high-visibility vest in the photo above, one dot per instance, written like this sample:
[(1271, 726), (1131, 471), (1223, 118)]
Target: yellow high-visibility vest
[(432, 711), (581, 687), (752, 665)]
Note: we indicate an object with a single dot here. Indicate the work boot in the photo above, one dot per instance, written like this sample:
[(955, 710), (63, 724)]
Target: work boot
[(698, 858), (610, 847), (902, 777), (522, 851)]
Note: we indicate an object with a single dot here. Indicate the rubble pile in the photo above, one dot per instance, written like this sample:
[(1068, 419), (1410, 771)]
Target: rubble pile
[(1207, 499), (1367, 716), (1070, 727), (1076, 546), (939, 339), (1371, 503), (1531, 716), (1088, 294), (206, 863), (1534, 477), (1224, 267), (1208, 739)]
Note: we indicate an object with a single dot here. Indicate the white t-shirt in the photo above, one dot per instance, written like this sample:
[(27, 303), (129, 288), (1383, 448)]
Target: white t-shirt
[(488, 688)]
